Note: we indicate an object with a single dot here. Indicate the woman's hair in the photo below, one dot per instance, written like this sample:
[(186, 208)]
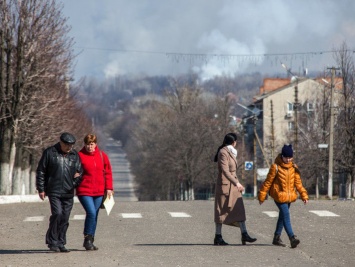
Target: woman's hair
[(90, 138), (228, 140)]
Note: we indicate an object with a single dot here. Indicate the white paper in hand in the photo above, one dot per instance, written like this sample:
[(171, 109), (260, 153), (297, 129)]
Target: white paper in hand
[(108, 203)]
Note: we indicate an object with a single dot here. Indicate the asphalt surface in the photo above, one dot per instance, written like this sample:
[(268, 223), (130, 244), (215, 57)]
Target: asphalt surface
[(148, 234), (177, 233)]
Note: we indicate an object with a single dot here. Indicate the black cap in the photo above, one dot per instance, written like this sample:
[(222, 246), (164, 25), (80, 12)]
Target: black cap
[(67, 138)]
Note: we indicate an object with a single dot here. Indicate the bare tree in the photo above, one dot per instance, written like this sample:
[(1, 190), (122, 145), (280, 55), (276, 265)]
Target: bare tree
[(35, 69), (175, 141), (345, 139)]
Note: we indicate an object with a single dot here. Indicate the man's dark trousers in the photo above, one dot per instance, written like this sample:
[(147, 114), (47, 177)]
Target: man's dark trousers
[(59, 221)]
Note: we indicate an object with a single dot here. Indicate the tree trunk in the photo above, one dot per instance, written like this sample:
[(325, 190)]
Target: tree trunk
[(17, 176), (6, 168), (26, 169)]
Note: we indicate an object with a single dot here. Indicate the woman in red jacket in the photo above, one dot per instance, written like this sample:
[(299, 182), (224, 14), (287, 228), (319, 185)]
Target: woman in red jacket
[(96, 181)]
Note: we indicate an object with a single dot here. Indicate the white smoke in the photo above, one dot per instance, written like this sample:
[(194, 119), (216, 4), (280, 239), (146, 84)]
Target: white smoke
[(136, 36)]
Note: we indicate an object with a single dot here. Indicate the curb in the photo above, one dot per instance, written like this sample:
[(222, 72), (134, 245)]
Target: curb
[(25, 199)]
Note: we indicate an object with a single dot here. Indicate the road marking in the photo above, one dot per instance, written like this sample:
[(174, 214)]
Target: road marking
[(131, 215), (324, 213), (179, 215), (79, 217), (272, 214), (34, 219)]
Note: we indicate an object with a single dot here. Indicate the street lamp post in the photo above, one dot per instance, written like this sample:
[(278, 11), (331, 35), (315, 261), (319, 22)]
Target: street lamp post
[(331, 135), (295, 108), (255, 113), (320, 146)]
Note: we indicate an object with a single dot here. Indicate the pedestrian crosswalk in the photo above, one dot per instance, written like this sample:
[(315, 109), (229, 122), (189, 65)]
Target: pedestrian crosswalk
[(324, 213), (272, 214), (131, 215), (34, 219)]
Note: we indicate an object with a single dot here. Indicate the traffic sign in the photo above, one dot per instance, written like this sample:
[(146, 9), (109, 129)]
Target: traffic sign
[(248, 165)]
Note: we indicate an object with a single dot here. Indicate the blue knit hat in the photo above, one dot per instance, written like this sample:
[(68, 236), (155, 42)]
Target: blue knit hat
[(287, 151)]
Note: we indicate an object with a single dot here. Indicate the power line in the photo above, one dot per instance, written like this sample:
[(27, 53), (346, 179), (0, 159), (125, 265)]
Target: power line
[(208, 54), (240, 59), (120, 50)]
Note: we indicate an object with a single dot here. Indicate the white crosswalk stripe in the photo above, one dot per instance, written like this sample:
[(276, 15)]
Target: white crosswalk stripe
[(131, 215), (179, 215), (79, 217), (34, 219), (324, 213), (271, 214)]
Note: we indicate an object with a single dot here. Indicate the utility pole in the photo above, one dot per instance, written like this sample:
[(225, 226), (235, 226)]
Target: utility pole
[(272, 132), (295, 107), (331, 136), (255, 159), (243, 148)]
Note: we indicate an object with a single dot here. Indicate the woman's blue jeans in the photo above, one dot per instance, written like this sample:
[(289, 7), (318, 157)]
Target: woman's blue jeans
[(92, 207), (284, 219)]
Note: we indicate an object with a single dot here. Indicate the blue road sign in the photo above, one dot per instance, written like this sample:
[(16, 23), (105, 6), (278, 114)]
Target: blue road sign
[(248, 165)]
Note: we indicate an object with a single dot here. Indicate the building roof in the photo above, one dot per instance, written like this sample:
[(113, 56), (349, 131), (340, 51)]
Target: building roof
[(271, 84), (273, 88), (338, 82)]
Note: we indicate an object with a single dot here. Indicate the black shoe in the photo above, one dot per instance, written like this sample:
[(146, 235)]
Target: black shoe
[(294, 241), (277, 241), (247, 238), (89, 243), (218, 241), (54, 248), (63, 249)]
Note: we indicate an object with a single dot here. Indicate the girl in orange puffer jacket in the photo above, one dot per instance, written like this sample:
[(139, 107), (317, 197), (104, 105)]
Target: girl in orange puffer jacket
[(282, 182)]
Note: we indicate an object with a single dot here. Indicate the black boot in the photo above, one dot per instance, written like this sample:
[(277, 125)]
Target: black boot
[(218, 241), (294, 241), (247, 238), (89, 243), (277, 241)]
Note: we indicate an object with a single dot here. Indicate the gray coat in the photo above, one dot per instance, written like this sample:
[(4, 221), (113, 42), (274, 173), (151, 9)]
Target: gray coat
[(229, 206)]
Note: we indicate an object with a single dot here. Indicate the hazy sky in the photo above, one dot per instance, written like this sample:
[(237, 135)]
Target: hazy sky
[(139, 36)]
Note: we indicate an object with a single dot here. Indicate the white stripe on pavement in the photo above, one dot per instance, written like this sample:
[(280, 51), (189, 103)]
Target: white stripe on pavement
[(271, 214), (79, 217), (324, 213), (131, 215), (34, 219), (179, 215)]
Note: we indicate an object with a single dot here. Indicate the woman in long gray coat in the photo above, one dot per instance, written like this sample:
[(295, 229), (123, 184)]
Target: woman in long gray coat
[(229, 206)]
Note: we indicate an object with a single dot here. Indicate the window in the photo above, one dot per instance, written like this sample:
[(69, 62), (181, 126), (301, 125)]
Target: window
[(310, 107), (289, 107), (291, 125), (289, 111)]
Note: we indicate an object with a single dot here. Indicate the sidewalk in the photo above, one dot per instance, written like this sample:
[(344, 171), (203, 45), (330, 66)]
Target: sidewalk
[(24, 199)]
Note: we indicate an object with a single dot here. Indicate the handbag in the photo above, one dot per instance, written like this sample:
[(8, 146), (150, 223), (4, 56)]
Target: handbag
[(102, 206)]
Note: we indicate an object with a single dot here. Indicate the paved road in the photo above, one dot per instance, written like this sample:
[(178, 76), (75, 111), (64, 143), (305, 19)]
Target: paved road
[(174, 233), (123, 179), (180, 234)]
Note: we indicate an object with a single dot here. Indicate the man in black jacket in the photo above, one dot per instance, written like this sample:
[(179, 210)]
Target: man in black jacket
[(59, 171)]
